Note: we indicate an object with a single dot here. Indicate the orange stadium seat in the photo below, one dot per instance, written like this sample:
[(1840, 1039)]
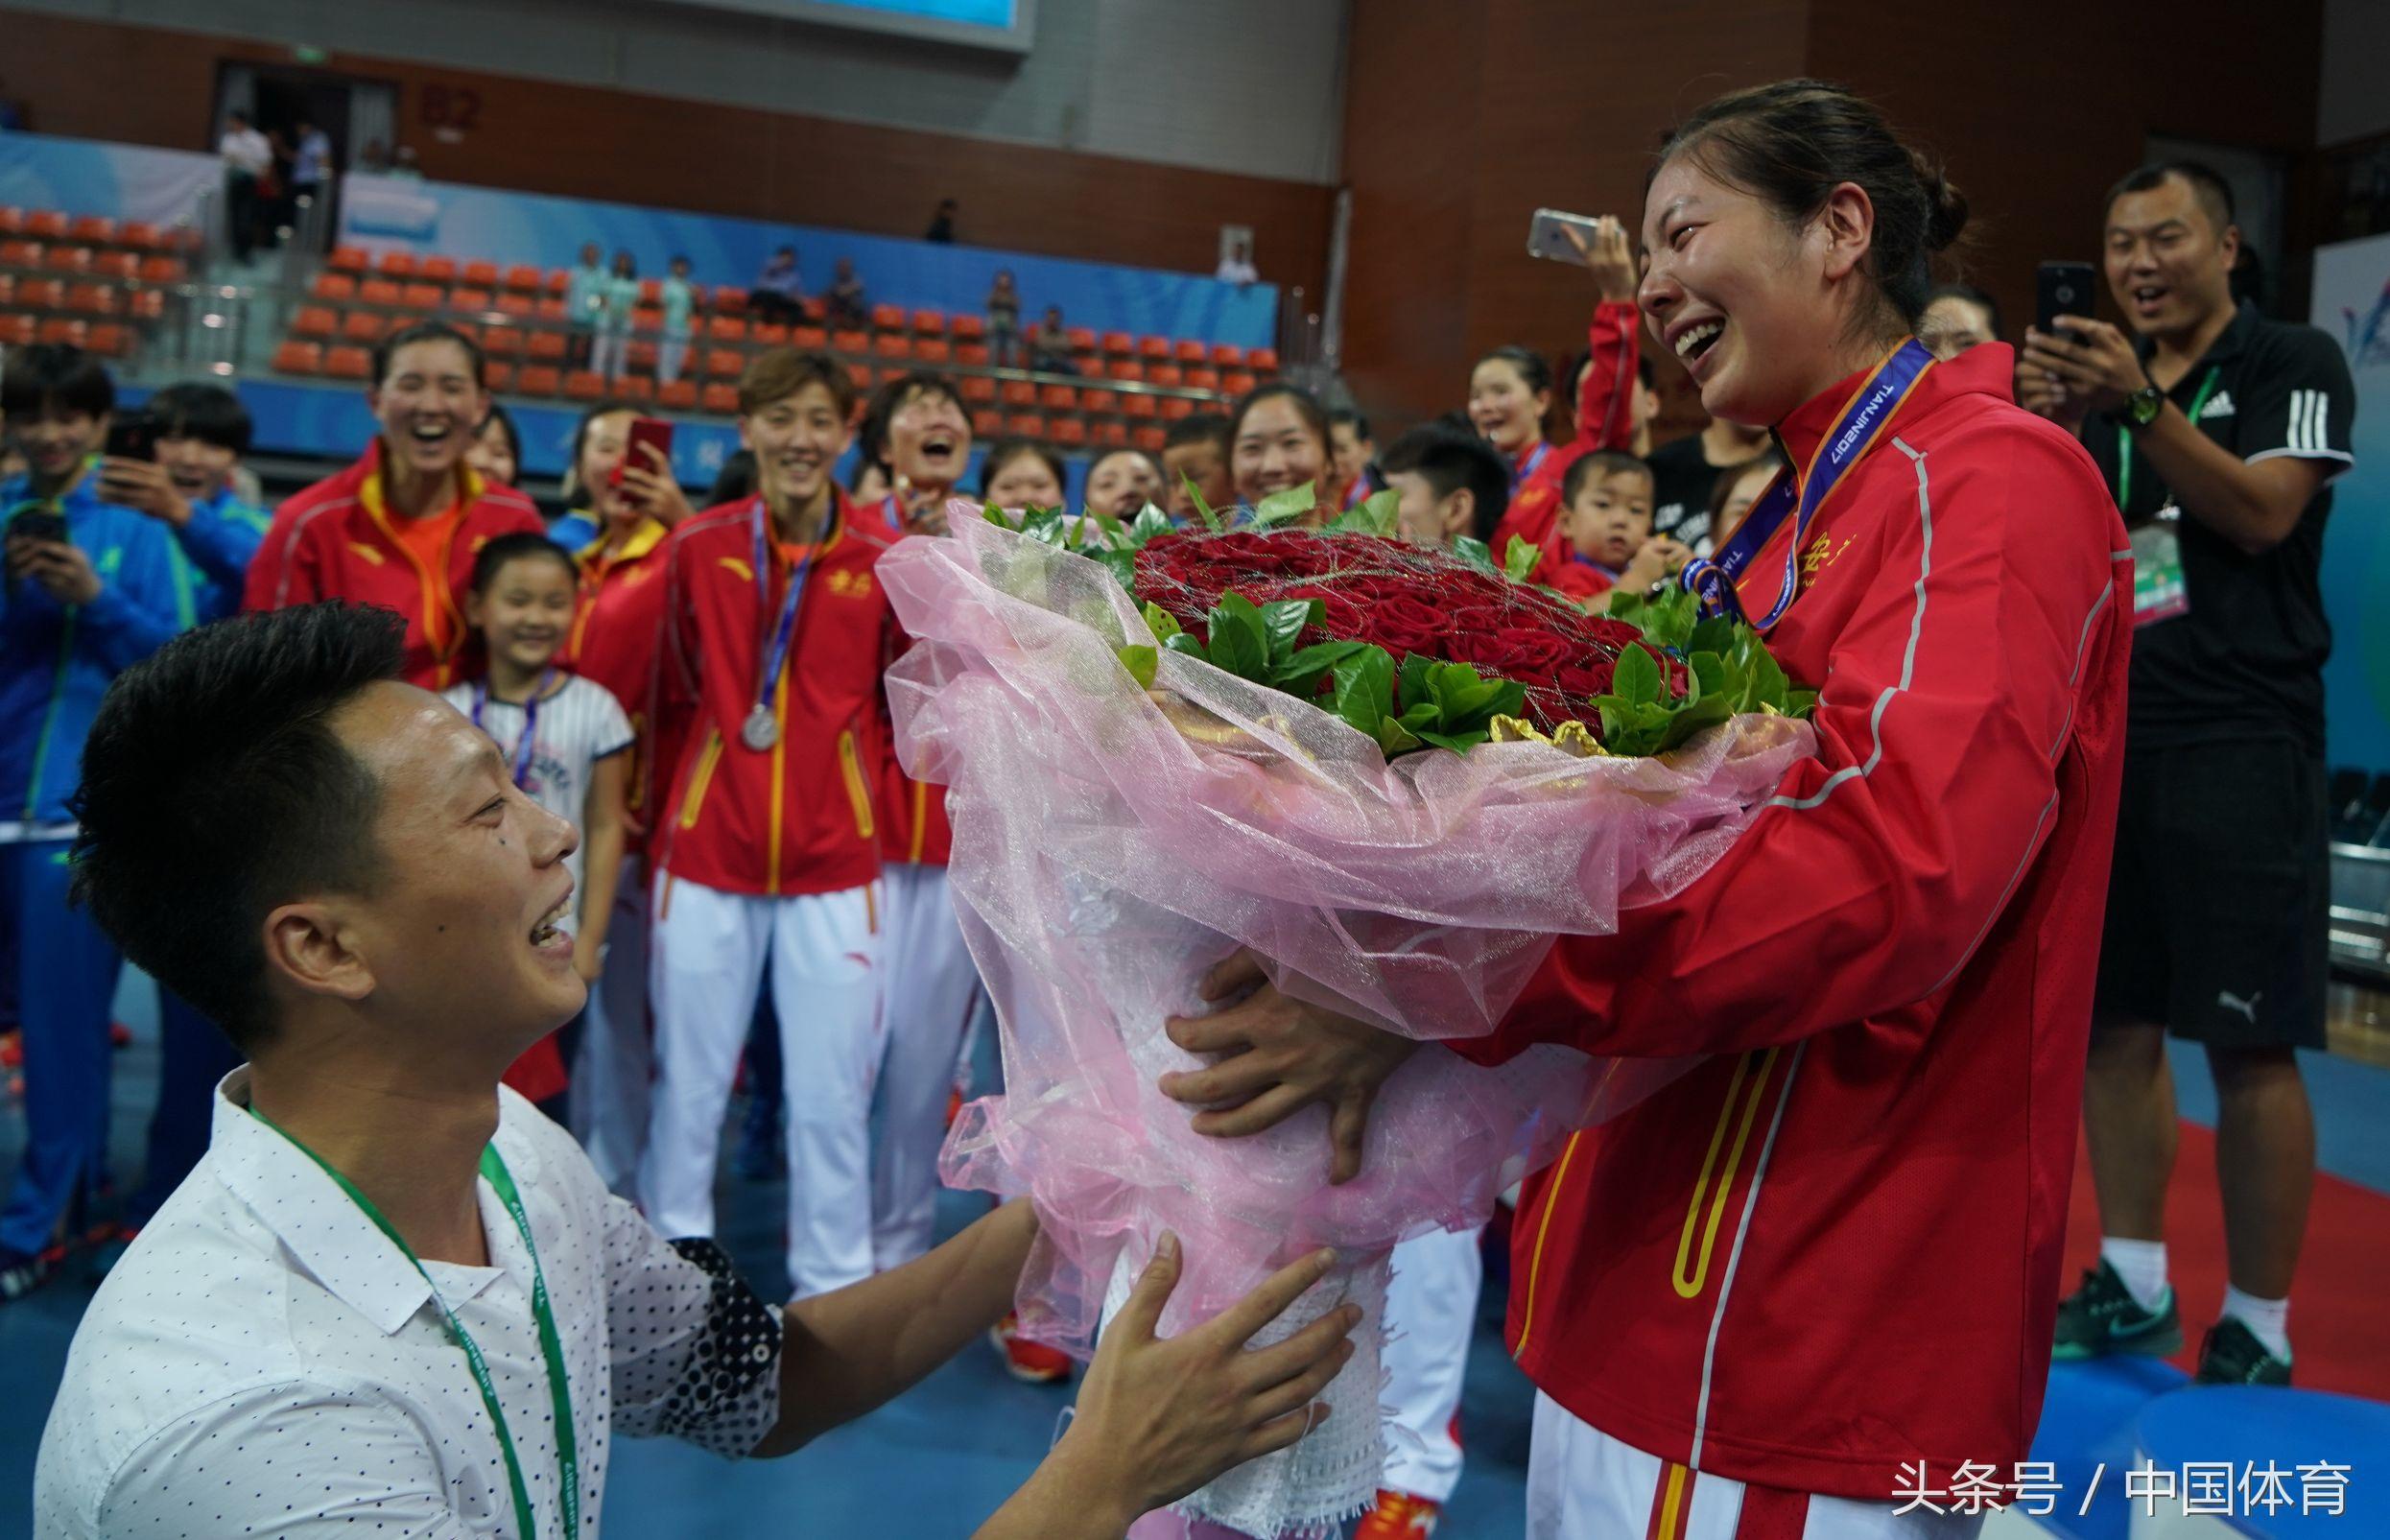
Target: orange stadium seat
[(1069, 432), (333, 288), (721, 397), (1149, 438), (934, 350), (92, 229), (545, 346), (1189, 352), (12, 219), (20, 254), (42, 293), (971, 355), (538, 379), (888, 318), (468, 299), (499, 377), (646, 319), (651, 290), (1168, 375), (1126, 368), (769, 334), (1059, 398), (893, 345), (640, 357), (148, 304), (1203, 379), (815, 309), (396, 265), (928, 323), (347, 362), (967, 328), (462, 328), (988, 424), (16, 331), (1119, 344), (364, 327), (681, 395), (1028, 425), (636, 388), (850, 343), (1236, 382), (7, 289), (46, 224), (1112, 435), (108, 340), (1100, 403), (813, 339), (551, 308), (1154, 349), (161, 270), (68, 259), (140, 235), (729, 299), (725, 329), (1020, 393), (94, 298), (1081, 339), (423, 297), (347, 259), (584, 385), (1263, 361), (1137, 406), (1228, 356), (381, 291), (296, 357), (62, 330), (861, 375), (514, 303), (558, 282), (480, 275), (978, 390), (315, 321), (1175, 407), (123, 266), (502, 340), (725, 363), (437, 269), (523, 278)]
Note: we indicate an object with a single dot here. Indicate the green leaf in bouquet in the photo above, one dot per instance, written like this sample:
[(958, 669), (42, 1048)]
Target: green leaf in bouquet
[(999, 517), (1682, 725), (1185, 642), (1141, 662), (1668, 618), (1769, 685), (1161, 622), (1121, 564), (1110, 531), (1285, 504), (1240, 642), (1476, 552), (1626, 606), (1413, 685), (1203, 510), (1716, 635), (1379, 515), (1282, 621), (1364, 691), (1709, 676), (1800, 702), (1299, 673), (1519, 559), (1393, 738), (1460, 693), (1637, 679), (1459, 743), (1151, 521)]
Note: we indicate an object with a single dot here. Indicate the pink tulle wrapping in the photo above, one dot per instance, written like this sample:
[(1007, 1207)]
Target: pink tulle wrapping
[(1104, 858)]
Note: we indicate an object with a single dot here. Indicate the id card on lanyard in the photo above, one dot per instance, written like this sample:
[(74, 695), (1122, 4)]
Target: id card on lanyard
[(1856, 429), (2159, 589)]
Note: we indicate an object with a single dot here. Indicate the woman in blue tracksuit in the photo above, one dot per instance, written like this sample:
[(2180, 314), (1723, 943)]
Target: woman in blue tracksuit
[(74, 612)]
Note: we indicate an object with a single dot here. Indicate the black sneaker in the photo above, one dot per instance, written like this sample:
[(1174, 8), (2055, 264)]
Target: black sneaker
[(2231, 1354), (2103, 1317)]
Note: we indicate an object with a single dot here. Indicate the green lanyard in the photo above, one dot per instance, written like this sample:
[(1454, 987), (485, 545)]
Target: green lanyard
[(568, 1466), (2125, 441)]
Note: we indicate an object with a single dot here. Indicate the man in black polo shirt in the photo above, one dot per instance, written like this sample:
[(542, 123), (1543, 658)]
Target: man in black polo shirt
[(2220, 432)]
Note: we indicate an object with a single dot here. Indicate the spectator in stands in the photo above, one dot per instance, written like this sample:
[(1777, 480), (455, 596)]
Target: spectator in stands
[(1004, 321), (585, 302), (778, 293), (1448, 480), (2219, 433), (1021, 473), (1279, 441), (1195, 452), (1237, 267), (1737, 490), (311, 165), (361, 927), (1355, 449), (1958, 316), (680, 308), (1049, 345), (399, 527), (248, 156), (941, 231), (618, 303), (843, 302), (87, 588), (1606, 521), (1123, 482), (497, 449), (919, 432)]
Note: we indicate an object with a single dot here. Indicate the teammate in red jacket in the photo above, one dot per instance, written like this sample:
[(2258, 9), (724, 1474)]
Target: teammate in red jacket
[(1831, 1250), (774, 631), (401, 525)]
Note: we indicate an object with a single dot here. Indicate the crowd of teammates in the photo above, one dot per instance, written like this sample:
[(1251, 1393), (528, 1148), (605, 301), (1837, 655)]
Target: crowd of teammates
[(700, 690)]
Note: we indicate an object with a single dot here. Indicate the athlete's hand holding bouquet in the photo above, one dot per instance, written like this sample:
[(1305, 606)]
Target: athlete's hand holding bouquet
[(1385, 776)]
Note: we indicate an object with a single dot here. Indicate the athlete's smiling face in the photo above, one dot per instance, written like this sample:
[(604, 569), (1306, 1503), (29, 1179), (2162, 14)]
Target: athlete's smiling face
[(797, 441), (929, 440), (428, 403)]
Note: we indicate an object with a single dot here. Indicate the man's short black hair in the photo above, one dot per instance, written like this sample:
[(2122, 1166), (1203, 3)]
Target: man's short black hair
[(208, 412), (215, 789), (1203, 428), (1603, 462), (1352, 420), (2206, 184), (1448, 459), (53, 376)]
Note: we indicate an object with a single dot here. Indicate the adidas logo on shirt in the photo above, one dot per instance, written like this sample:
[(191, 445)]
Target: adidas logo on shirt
[(2219, 405)]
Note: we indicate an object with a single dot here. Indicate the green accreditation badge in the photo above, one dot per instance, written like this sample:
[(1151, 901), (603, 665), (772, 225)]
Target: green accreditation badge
[(2159, 592)]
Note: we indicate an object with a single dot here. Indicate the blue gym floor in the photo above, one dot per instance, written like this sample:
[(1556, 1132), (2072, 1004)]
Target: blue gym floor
[(939, 1460)]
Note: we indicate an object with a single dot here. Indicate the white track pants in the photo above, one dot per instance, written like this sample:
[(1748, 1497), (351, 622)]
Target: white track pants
[(1583, 1484), (711, 951), (608, 1105), (1431, 1309), (929, 988)]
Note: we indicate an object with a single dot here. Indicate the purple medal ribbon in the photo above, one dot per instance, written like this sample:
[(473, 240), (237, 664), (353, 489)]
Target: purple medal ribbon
[(522, 755)]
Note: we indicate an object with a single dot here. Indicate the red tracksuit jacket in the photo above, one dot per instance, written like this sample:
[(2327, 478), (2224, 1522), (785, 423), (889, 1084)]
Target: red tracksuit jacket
[(1834, 1248), (912, 822), (1534, 513), (615, 634), (798, 817), (333, 540)]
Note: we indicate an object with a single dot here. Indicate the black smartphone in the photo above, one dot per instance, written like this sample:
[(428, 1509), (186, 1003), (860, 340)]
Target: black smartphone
[(38, 524), (2062, 289), (133, 437)]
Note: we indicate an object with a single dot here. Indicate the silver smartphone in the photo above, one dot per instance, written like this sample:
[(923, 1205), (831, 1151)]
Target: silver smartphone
[(1547, 236)]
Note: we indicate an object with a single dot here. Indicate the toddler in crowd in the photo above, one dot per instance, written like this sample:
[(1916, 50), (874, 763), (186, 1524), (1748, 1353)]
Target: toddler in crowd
[(565, 741), (1606, 520)]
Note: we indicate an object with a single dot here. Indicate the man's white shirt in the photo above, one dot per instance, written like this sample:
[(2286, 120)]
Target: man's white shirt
[(245, 149), (264, 1359)]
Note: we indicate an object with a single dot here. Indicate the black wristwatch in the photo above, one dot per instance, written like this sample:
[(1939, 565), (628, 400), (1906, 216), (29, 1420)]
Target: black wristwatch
[(2142, 405)]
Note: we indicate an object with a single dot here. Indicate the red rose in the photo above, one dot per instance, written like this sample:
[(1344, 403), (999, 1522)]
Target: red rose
[(1515, 652), (1402, 625)]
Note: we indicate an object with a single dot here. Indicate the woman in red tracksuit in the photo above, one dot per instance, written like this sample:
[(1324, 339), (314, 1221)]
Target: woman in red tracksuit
[(1830, 1251)]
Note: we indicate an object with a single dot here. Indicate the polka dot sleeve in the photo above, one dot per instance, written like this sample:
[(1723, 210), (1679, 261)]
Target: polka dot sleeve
[(695, 1354)]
